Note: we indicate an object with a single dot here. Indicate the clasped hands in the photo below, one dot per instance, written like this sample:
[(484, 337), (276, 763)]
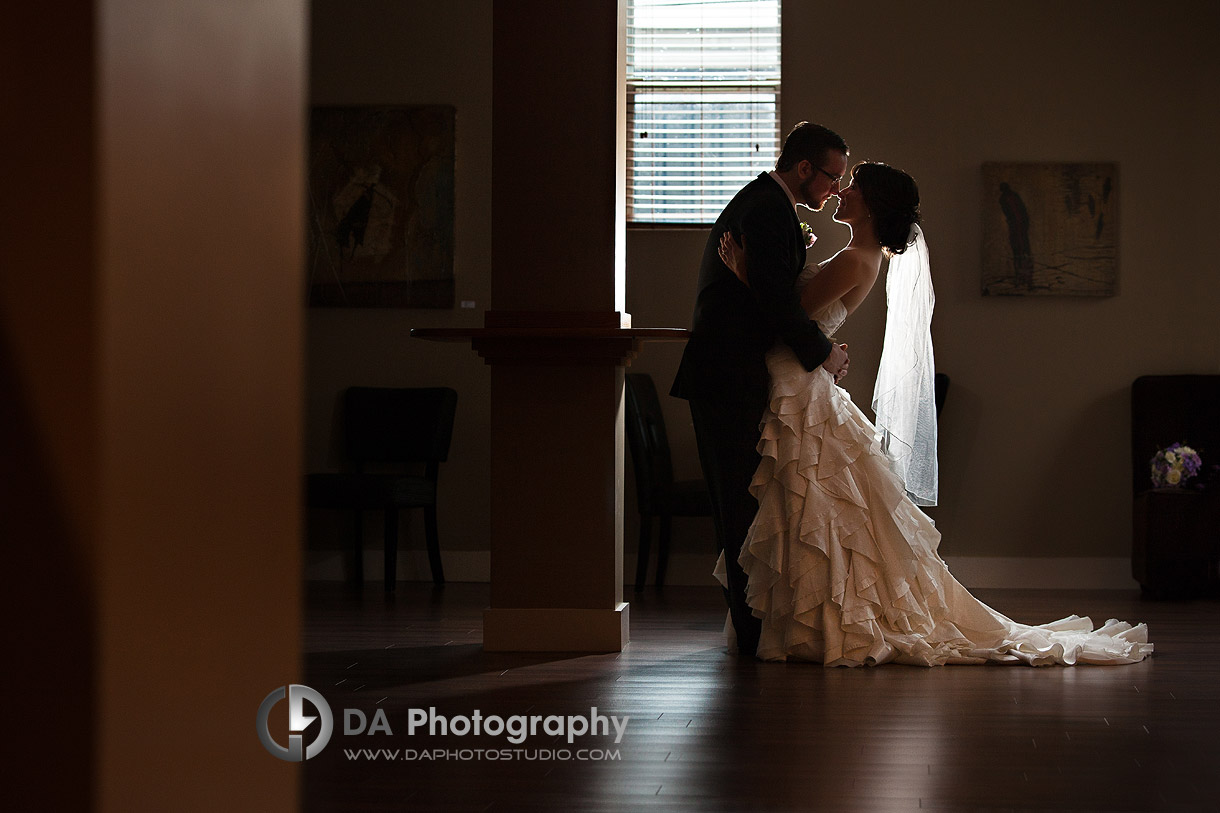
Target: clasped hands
[(836, 362), (733, 255)]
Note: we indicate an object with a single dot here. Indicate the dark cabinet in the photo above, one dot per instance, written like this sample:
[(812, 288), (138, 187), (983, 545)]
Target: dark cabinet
[(1175, 544)]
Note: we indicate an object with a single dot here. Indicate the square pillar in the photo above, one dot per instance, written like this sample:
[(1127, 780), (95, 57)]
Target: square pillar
[(558, 270)]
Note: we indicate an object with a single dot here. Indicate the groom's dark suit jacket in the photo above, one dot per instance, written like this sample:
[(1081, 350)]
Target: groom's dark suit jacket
[(734, 326)]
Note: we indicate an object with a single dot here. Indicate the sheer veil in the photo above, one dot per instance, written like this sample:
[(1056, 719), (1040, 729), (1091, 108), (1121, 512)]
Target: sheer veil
[(904, 398)]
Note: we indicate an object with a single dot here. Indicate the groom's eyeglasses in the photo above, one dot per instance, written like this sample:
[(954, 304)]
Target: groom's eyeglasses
[(834, 179)]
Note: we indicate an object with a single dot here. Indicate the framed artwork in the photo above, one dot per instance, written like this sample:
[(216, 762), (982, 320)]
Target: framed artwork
[(1050, 229), (381, 206)]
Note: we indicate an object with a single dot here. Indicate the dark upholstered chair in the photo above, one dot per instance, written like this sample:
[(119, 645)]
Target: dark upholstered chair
[(657, 493), (396, 439), (1175, 532)]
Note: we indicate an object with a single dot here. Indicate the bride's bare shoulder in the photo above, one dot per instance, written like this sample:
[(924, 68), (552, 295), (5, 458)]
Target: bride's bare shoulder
[(853, 263), (847, 276)]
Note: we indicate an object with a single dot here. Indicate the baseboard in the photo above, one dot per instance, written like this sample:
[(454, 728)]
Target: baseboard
[(1080, 573)]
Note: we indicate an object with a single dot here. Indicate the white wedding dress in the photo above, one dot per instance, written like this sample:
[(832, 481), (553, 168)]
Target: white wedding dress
[(842, 566)]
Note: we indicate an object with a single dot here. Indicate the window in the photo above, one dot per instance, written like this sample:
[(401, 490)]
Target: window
[(702, 104)]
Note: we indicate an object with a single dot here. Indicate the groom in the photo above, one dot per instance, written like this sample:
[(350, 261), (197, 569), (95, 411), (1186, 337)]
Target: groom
[(723, 373)]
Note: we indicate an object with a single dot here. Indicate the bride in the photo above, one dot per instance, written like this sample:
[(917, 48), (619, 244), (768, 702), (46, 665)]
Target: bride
[(842, 563)]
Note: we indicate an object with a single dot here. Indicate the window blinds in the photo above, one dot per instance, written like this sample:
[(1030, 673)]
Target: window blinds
[(703, 84)]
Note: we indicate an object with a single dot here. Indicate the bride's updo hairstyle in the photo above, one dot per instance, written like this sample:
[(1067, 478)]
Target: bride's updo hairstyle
[(892, 199)]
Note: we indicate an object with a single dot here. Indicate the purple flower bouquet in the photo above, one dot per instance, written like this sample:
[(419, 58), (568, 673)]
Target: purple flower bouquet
[(1174, 465)]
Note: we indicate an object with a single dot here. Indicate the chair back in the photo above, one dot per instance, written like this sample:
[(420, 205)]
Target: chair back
[(940, 384), (651, 463), (399, 425)]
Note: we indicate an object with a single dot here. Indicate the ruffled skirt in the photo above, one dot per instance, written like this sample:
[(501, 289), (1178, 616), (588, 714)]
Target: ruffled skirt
[(843, 568)]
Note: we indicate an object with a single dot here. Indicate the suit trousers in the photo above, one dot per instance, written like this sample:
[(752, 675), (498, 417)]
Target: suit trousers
[(727, 436)]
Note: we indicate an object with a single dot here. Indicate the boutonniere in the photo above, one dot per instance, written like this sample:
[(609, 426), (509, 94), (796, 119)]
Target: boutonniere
[(807, 233)]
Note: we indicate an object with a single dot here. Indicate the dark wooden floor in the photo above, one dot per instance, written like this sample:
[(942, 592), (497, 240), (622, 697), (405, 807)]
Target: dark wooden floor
[(710, 733)]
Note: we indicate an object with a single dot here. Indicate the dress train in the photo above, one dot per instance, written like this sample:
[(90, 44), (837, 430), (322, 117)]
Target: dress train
[(843, 567)]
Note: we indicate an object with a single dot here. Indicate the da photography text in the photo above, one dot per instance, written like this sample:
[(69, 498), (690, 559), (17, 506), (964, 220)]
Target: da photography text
[(311, 724), (516, 728)]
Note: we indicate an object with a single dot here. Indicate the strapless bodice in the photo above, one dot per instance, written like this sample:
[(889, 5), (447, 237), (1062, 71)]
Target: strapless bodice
[(831, 317)]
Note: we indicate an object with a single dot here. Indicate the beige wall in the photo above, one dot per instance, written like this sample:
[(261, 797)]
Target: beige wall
[(389, 52), (1034, 450), (1034, 444)]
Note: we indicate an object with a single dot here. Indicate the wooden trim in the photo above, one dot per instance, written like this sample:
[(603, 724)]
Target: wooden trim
[(534, 350), (653, 225), (601, 320), (543, 345)]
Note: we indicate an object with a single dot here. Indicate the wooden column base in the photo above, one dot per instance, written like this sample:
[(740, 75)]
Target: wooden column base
[(557, 452)]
